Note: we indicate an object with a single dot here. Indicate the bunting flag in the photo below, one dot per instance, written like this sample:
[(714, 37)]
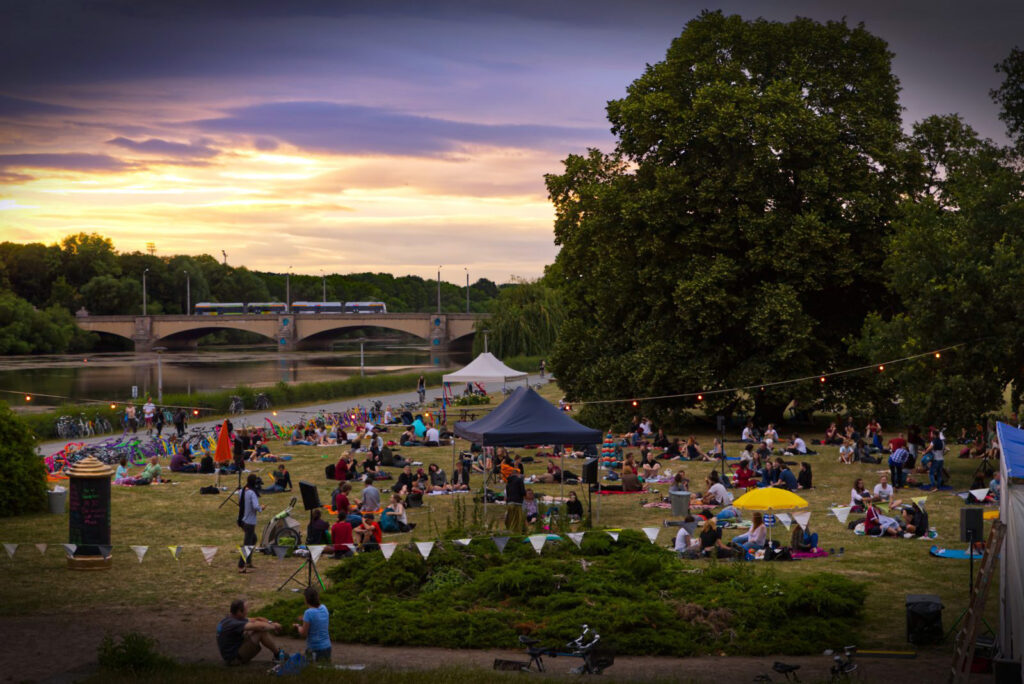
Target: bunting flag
[(842, 512), (42, 549), (105, 550), (652, 533), (919, 500), (802, 518), (979, 494), (175, 552), (10, 548), (70, 549), (425, 548), (279, 551), (208, 553), (140, 551), (784, 519), (315, 552), (500, 542), (577, 539), (388, 549), (247, 553), (613, 535), (462, 542), (538, 541)]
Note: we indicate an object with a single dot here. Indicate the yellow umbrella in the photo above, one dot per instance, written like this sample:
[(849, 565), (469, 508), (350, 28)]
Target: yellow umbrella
[(769, 499)]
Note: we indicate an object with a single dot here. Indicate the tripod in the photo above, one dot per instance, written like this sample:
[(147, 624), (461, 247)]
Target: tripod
[(311, 570), (231, 495)]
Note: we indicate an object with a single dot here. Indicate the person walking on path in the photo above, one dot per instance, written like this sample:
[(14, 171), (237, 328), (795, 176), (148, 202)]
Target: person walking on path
[(248, 508), (421, 389)]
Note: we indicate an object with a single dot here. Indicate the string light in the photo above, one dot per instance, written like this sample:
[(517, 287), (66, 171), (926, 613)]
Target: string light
[(113, 406), (881, 368), (28, 397), (195, 412), (635, 403), (938, 355), (700, 397), (822, 378)]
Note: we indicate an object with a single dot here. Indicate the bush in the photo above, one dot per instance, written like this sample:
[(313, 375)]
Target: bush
[(135, 654), (21, 470)]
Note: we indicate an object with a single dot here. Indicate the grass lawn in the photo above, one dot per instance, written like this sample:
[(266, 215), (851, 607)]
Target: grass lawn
[(160, 516)]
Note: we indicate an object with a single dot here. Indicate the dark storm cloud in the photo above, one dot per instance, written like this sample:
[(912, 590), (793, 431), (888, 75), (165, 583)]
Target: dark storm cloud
[(352, 129), (64, 162), (16, 107), (166, 148)]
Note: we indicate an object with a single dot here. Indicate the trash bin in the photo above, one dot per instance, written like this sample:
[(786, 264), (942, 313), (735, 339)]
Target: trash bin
[(680, 503), (58, 500), (924, 619)]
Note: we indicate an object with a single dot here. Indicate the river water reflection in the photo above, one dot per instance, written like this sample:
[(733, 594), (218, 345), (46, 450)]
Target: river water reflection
[(112, 376)]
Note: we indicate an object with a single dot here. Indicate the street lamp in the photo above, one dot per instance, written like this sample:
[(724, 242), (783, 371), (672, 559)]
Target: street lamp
[(144, 291), (188, 293), (324, 277), (486, 333), (438, 289), (362, 340), (159, 374), (467, 288), (288, 289)]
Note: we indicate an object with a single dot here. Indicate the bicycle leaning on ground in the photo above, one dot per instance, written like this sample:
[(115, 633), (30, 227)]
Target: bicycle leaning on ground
[(584, 647)]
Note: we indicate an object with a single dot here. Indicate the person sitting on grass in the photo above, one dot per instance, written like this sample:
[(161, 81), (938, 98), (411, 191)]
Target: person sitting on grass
[(240, 638), (805, 479), (394, 518), (649, 466), (716, 493), (318, 531), (784, 478), (846, 452), (405, 483), (680, 483), (370, 502), (574, 508), (150, 474), (797, 446), (755, 539), (915, 521), (711, 541), (122, 471), (530, 509), (832, 435), (437, 481), (883, 491), (341, 537), (692, 449), (803, 539), (859, 496), (181, 462), (314, 627), (878, 525), (368, 535), (716, 453), (685, 544), (282, 481), (745, 477), (298, 438)]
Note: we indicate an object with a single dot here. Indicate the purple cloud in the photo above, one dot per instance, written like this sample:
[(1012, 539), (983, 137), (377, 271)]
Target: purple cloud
[(63, 161), (353, 129), (16, 107), (198, 150)]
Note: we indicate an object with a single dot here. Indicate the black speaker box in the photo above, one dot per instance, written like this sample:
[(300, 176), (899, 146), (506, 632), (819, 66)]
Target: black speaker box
[(972, 526), (310, 495), (590, 471)]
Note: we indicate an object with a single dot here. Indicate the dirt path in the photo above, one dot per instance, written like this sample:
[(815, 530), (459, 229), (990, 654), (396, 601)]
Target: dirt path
[(56, 647)]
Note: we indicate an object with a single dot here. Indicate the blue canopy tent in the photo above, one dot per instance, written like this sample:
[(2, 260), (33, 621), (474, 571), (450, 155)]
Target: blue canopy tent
[(526, 418), (1011, 566)]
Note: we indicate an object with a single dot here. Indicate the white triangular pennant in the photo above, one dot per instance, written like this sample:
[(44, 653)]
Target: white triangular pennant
[(500, 542), (784, 519), (388, 549), (70, 549), (577, 538), (802, 518), (538, 541), (425, 548), (10, 548), (140, 551), (316, 551), (175, 552), (42, 549), (652, 533), (842, 512), (247, 552), (208, 553), (613, 535), (462, 542), (979, 494), (105, 550)]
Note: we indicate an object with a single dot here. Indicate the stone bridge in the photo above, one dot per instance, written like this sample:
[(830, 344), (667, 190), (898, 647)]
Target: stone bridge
[(288, 331)]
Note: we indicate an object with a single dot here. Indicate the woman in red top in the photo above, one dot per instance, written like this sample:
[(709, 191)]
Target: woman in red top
[(745, 477), (341, 537)]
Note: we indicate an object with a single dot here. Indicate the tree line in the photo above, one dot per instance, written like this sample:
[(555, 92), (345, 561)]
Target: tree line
[(42, 286), (764, 216)]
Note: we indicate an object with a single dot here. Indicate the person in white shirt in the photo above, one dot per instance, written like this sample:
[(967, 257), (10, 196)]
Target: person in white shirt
[(433, 437), (883, 491), (387, 416), (748, 433), (770, 435), (798, 446), (148, 411), (685, 543)]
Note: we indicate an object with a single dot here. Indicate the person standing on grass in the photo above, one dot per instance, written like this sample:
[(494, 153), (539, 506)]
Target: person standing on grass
[(249, 507), (314, 627), (936, 448), (148, 412), (421, 389), (240, 638), (179, 422)]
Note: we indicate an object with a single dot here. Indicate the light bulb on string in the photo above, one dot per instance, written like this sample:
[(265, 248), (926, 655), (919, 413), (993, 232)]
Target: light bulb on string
[(700, 397), (822, 378), (881, 368), (635, 403), (113, 406), (28, 397), (938, 355)]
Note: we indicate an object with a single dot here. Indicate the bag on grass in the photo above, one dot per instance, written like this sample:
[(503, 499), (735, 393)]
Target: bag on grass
[(212, 489), (329, 471)]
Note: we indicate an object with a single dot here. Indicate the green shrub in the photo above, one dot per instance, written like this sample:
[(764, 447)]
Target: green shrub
[(22, 472), (134, 654)]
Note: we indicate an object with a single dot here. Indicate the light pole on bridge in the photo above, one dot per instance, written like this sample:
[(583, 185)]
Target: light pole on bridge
[(144, 272), (467, 288), (159, 374), (188, 293), (438, 289), (324, 277)]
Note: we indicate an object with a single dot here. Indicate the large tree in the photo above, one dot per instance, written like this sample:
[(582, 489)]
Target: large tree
[(733, 236)]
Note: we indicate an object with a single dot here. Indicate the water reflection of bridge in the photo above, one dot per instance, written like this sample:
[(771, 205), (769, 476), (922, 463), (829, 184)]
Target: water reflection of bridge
[(289, 332)]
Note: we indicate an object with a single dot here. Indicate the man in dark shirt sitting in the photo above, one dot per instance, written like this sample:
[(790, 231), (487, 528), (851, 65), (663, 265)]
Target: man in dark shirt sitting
[(316, 531), (785, 479), (406, 482), (240, 638)]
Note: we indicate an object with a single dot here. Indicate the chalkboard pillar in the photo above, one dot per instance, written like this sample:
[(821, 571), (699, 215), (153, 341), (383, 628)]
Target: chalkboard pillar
[(89, 514)]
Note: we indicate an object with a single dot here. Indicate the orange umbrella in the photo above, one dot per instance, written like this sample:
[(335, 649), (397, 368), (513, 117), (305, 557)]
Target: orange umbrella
[(223, 452)]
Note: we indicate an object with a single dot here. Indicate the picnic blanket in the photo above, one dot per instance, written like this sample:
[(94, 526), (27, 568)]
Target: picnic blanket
[(961, 554), (605, 492), (802, 555)]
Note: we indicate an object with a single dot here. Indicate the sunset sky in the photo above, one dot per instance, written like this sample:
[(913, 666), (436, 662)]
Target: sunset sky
[(383, 136)]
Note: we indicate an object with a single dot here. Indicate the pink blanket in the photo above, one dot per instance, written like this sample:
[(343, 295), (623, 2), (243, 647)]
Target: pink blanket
[(800, 555)]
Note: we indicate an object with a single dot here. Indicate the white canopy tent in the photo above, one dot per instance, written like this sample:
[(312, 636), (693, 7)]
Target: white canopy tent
[(485, 368)]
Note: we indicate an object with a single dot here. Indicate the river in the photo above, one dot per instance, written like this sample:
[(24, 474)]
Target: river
[(111, 376)]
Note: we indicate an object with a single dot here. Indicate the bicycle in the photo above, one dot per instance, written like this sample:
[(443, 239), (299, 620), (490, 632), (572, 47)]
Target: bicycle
[(584, 647), (236, 406), (262, 402), (842, 668)]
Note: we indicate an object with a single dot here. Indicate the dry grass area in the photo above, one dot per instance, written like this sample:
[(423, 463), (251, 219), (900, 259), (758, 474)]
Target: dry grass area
[(159, 516)]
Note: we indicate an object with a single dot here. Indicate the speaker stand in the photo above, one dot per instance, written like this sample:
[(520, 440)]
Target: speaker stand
[(231, 495), (311, 571)]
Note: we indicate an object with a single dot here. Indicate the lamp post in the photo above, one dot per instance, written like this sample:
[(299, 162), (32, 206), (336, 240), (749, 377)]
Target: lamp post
[(188, 293), (438, 289), (324, 277), (288, 289), (362, 340), (486, 333), (159, 374), (467, 288), (144, 272)]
